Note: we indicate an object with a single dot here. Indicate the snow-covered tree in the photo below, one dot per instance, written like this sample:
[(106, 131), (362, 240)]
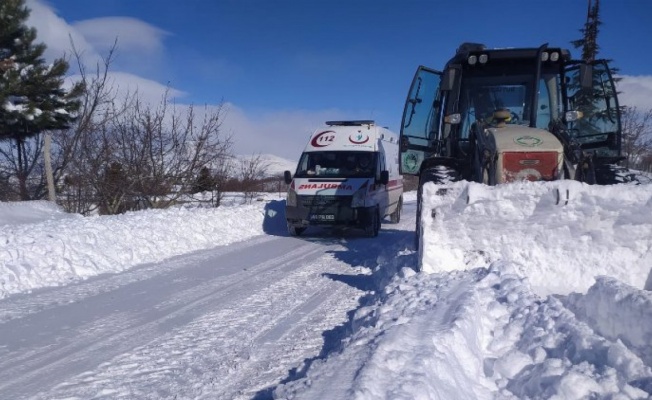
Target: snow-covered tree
[(32, 94)]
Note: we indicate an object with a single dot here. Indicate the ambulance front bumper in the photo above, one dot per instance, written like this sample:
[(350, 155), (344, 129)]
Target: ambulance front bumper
[(327, 211)]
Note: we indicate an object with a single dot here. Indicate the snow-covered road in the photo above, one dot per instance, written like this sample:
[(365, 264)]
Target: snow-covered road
[(228, 323)]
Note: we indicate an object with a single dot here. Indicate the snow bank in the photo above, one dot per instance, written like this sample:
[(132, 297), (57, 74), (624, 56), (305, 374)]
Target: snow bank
[(618, 312), (603, 230), (475, 334), (45, 247), (16, 213)]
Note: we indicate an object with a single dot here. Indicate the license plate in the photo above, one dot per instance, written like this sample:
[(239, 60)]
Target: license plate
[(322, 217)]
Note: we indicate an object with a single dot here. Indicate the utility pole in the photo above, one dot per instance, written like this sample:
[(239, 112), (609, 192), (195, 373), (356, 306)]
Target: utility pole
[(47, 158)]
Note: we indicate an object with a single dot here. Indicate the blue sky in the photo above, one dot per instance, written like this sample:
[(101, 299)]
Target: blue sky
[(286, 66)]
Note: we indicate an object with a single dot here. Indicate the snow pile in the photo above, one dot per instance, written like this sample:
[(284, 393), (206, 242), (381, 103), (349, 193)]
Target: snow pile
[(522, 298), (561, 248), (476, 334), (42, 246), (618, 312), (16, 213)]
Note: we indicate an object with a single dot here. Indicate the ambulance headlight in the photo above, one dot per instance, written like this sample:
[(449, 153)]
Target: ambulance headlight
[(292, 198), (358, 197)]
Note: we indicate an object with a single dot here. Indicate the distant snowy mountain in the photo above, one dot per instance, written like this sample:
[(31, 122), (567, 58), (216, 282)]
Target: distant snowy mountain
[(278, 164)]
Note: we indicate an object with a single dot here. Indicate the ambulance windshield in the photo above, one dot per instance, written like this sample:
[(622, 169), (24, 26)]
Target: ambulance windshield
[(337, 164)]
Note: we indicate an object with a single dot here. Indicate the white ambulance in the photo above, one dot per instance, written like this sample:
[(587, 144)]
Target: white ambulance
[(348, 176)]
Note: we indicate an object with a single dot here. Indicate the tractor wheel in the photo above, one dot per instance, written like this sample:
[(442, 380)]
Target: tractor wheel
[(489, 174), (586, 171), (611, 174)]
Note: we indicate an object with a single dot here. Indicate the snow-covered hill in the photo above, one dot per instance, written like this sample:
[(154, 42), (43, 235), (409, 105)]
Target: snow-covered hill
[(275, 165)]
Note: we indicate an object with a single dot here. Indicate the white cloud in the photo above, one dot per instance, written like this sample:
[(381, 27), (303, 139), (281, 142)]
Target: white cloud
[(636, 91), (149, 91), (93, 38), (135, 37), (57, 34), (282, 133)]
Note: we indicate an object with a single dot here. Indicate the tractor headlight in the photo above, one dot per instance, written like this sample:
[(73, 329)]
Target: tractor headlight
[(472, 60), (572, 116), (453, 119), (554, 56), (292, 198), (483, 58), (359, 196)]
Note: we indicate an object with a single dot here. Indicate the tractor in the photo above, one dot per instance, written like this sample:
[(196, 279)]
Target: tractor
[(502, 115)]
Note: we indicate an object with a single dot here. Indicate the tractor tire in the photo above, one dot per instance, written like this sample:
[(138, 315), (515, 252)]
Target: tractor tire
[(610, 174), (489, 174), (586, 172)]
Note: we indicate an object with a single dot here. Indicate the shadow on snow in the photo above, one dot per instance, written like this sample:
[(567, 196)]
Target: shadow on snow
[(377, 254)]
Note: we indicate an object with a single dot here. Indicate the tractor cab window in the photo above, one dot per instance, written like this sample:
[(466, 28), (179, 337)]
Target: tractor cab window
[(549, 103), (598, 106), (482, 96)]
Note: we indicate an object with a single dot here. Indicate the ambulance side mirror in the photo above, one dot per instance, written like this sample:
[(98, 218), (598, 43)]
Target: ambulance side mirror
[(287, 177), (384, 177), (404, 144)]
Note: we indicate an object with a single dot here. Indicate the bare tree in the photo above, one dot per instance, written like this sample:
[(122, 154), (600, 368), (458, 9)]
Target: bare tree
[(79, 151), (160, 151), (222, 171), (22, 161), (252, 171), (637, 137), (121, 153)]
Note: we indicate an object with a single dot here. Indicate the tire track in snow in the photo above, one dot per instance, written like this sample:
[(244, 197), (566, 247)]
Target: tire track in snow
[(255, 354), (72, 349)]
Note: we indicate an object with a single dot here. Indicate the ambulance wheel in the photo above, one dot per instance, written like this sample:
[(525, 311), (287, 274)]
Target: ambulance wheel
[(374, 225), (295, 230), (395, 217)]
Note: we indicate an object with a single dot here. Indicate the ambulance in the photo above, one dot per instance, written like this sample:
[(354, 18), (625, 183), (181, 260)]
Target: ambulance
[(347, 177)]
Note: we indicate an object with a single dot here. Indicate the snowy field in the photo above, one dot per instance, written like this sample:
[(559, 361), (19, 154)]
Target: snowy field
[(519, 298)]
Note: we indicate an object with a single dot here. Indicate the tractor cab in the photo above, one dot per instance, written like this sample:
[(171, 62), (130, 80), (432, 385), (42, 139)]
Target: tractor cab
[(499, 115)]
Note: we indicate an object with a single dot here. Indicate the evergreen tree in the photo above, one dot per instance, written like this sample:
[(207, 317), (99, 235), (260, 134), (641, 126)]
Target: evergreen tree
[(204, 182), (589, 40), (32, 97)]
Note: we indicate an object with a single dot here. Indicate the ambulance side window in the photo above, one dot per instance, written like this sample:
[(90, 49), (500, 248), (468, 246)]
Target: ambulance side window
[(380, 165)]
